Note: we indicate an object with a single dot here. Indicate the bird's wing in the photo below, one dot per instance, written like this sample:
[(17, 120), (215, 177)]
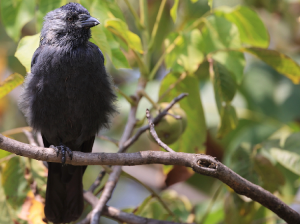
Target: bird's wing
[(35, 56)]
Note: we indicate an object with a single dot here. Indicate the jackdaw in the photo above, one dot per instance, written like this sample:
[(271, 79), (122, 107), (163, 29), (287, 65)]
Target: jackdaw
[(68, 97)]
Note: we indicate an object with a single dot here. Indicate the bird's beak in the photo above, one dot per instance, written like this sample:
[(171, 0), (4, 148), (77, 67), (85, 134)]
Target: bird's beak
[(90, 22)]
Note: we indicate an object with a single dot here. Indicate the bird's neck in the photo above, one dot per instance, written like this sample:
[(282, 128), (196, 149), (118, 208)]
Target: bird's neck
[(68, 40)]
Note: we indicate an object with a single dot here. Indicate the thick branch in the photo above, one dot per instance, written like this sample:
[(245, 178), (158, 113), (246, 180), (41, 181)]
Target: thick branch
[(202, 164)]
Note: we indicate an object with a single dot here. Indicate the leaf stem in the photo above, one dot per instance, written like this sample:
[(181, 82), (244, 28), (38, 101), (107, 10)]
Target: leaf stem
[(161, 59), (156, 25), (154, 195), (130, 100), (143, 93), (135, 15)]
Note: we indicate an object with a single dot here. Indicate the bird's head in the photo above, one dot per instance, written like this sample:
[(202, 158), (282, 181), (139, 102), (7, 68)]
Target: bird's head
[(68, 25)]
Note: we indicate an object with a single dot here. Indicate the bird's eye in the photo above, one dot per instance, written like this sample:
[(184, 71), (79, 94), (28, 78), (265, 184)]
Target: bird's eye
[(70, 19)]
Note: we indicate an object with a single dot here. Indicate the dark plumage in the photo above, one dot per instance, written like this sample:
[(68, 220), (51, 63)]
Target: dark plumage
[(68, 97)]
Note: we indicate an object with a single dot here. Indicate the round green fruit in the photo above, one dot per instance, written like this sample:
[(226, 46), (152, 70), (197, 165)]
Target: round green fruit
[(169, 129)]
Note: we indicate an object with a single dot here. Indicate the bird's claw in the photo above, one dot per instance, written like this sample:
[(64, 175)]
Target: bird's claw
[(62, 149)]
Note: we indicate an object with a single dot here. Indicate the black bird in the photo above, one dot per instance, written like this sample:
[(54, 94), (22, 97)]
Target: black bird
[(68, 97)]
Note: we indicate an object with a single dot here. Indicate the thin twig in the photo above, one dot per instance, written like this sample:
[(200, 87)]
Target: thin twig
[(202, 164), (97, 182), (30, 138), (128, 98), (154, 134), (143, 93), (16, 131), (109, 139), (162, 57), (118, 215), (154, 194), (106, 195), (141, 130), (115, 174)]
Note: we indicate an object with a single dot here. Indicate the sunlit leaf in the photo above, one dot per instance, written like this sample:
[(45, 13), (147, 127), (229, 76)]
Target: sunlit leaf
[(173, 11), (26, 48), (120, 28), (36, 210), (99, 38), (210, 4), (287, 159), (10, 83), (251, 28), (233, 61), (219, 34), (104, 9), (187, 54), (15, 14), (192, 140), (280, 62), (118, 58), (193, 56)]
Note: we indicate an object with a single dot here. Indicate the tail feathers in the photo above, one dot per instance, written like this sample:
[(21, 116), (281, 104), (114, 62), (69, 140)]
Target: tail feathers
[(64, 198)]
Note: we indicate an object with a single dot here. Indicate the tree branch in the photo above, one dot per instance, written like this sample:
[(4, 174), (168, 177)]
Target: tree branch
[(202, 164), (115, 174), (118, 215)]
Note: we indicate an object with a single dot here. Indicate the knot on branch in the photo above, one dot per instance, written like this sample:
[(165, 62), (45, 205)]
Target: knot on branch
[(206, 163)]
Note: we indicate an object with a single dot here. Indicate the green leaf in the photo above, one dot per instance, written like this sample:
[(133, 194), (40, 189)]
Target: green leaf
[(287, 159), (39, 172), (179, 205), (15, 14), (187, 54), (224, 84), (120, 28), (194, 137), (44, 7), (233, 61), (6, 215), (229, 120), (103, 10), (210, 4), (269, 174), (292, 143), (118, 58), (10, 83), (26, 48), (14, 183), (173, 11), (99, 38), (4, 153), (280, 62), (220, 34), (251, 28)]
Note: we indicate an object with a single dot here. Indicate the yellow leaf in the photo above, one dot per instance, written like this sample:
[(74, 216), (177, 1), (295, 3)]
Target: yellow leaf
[(32, 210), (10, 83)]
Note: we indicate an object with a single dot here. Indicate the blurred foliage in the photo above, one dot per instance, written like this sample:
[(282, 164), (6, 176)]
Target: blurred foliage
[(178, 46)]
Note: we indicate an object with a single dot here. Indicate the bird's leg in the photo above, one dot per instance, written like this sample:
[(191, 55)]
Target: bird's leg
[(61, 148)]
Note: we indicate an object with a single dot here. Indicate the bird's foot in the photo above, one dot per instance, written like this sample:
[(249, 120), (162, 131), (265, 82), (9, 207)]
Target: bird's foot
[(62, 149)]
